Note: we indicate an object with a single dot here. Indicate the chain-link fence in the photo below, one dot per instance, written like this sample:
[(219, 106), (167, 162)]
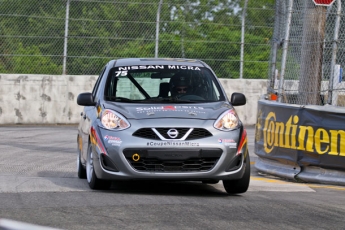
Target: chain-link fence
[(308, 53), (80, 36)]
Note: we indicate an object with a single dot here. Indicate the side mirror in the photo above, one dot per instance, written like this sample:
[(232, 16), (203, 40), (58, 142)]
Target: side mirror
[(238, 99), (85, 99)]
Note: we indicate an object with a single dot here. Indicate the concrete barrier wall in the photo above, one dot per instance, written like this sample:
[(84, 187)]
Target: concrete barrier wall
[(51, 99)]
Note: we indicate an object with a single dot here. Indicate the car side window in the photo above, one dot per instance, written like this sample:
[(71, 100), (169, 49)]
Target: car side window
[(215, 93), (110, 86), (94, 91)]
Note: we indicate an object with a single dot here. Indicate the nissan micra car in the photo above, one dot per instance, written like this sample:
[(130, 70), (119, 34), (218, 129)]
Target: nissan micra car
[(161, 119)]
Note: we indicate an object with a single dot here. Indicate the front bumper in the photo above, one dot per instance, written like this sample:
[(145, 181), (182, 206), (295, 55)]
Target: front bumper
[(126, 157)]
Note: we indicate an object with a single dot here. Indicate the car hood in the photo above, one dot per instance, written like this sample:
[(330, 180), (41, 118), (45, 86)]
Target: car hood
[(186, 111)]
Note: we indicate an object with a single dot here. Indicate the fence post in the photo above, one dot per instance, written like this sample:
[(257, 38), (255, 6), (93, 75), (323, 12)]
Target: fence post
[(157, 27), (285, 50), (334, 56), (242, 36), (276, 40), (65, 39), (312, 49)]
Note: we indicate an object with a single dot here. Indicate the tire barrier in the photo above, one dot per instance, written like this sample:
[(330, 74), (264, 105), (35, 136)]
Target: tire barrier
[(303, 143)]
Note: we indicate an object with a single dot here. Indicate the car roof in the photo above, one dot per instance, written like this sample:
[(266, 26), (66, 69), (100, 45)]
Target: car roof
[(159, 61)]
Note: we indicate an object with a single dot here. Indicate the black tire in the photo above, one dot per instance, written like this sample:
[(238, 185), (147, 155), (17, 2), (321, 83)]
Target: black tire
[(93, 181), (80, 168), (240, 185)]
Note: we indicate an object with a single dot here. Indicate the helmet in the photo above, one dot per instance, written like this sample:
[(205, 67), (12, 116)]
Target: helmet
[(179, 85)]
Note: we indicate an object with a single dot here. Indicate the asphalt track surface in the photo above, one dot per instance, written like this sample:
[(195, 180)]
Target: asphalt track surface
[(39, 185)]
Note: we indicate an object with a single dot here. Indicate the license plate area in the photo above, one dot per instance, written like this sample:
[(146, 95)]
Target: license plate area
[(173, 154), (168, 160)]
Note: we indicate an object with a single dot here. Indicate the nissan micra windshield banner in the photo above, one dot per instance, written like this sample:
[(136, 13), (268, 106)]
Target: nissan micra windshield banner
[(294, 134)]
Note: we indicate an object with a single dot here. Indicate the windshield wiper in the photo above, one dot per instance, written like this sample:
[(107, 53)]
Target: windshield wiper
[(171, 100), (185, 101), (154, 100), (120, 99)]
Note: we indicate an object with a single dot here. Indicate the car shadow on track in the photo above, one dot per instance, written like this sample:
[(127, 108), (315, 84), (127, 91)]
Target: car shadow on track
[(185, 188), (63, 182)]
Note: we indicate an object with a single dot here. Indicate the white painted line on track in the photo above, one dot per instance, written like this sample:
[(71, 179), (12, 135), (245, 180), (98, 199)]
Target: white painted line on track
[(265, 184)]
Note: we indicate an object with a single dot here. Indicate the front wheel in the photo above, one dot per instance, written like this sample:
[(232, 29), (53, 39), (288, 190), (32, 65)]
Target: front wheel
[(240, 185), (80, 168), (93, 181)]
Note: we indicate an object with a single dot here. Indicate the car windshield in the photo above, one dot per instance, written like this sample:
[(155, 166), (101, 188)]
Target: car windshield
[(162, 83)]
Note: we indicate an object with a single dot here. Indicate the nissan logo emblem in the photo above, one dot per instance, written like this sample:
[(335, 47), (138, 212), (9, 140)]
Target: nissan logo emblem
[(172, 133)]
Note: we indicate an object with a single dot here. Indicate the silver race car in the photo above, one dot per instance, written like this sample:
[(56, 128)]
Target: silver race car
[(161, 119)]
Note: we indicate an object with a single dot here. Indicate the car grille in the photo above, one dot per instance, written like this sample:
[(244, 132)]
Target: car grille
[(165, 160), (148, 133), (196, 165)]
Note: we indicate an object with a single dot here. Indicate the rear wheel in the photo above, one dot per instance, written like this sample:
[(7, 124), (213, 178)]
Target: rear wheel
[(93, 181), (240, 185)]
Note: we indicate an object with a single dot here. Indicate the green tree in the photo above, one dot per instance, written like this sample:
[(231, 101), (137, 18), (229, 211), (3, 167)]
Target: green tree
[(102, 30), (31, 60)]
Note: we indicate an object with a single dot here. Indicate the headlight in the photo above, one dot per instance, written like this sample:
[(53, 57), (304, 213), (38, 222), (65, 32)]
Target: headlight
[(112, 120), (227, 121)]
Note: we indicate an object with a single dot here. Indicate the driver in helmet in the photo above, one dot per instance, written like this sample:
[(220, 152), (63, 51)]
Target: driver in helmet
[(179, 86)]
